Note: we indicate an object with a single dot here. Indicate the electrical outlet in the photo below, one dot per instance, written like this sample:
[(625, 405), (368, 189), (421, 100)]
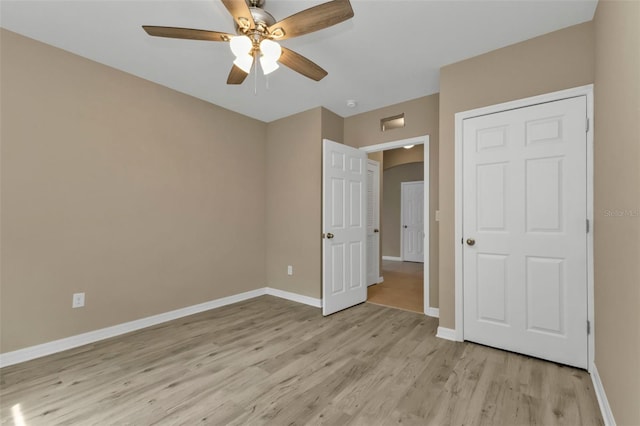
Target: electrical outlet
[(78, 300), (289, 270)]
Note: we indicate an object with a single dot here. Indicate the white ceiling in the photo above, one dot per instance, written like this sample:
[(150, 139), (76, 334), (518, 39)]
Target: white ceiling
[(391, 51)]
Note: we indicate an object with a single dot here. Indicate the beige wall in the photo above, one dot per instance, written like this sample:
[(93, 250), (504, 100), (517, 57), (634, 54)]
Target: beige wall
[(421, 118), (332, 126), (395, 157), (145, 199), (391, 208), (617, 183), (555, 61), (294, 204)]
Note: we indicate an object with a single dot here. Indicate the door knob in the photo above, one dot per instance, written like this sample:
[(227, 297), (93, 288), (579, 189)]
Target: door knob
[(471, 241), (405, 226), (330, 235), (376, 230)]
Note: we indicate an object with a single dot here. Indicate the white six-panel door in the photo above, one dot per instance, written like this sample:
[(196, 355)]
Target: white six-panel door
[(373, 222), (524, 227), (344, 227), (412, 200)]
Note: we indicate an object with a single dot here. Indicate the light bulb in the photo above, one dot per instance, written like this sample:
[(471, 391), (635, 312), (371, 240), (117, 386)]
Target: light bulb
[(268, 66), (408, 146), (244, 62), (270, 50), (241, 46)]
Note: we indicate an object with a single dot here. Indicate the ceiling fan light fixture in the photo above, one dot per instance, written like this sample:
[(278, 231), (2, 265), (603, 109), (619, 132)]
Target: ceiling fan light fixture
[(241, 46), (244, 62), (271, 50)]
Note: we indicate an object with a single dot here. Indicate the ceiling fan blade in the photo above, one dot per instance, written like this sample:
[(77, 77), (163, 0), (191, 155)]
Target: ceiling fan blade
[(240, 12), (186, 33), (312, 19), (236, 76), (301, 64)]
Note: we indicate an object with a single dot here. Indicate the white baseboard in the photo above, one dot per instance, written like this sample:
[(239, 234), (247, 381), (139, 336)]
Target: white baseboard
[(432, 312), (605, 409), (380, 280), (394, 258), (37, 351), (446, 333), (311, 301)]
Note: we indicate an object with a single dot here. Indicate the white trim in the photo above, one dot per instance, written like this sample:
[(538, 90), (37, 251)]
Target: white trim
[(603, 402), (591, 340), (37, 351), (521, 103), (432, 312), (392, 258), (306, 300), (380, 280), (447, 334), (418, 140)]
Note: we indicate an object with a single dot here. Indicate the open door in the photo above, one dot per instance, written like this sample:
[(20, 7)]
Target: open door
[(344, 227), (373, 222)]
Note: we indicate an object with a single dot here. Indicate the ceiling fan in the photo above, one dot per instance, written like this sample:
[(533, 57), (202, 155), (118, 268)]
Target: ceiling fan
[(258, 34)]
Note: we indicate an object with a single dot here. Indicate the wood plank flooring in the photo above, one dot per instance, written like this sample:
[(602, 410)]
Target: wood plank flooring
[(403, 286), (271, 361)]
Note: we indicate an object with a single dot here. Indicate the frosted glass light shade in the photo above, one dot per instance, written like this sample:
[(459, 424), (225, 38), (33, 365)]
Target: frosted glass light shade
[(240, 46), (268, 66), (270, 50), (244, 62)]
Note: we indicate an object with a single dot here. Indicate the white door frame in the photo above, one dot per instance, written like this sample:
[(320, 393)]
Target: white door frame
[(402, 185), (419, 140), (587, 91)]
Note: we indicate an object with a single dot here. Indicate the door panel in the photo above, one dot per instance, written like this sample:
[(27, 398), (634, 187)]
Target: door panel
[(344, 227), (545, 295), (524, 195), (492, 288)]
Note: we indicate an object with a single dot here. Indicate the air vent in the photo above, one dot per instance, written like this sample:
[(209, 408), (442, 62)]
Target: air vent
[(390, 123)]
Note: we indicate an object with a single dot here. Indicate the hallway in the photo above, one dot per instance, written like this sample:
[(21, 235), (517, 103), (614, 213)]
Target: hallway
[(402, 288)]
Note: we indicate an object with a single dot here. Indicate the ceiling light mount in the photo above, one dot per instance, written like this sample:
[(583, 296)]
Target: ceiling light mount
[(351, 103)]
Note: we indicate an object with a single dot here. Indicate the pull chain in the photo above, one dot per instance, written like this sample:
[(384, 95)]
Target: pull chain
[(255, 73)]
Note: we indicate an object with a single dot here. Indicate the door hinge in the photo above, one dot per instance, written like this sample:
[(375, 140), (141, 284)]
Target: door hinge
[(588, 327), (587, 125), (587, 226)]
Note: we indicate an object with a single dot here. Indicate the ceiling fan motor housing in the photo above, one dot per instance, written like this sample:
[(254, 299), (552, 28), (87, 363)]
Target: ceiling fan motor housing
[(261, 16)]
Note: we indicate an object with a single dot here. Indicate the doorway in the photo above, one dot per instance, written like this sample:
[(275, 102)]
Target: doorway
[(404, 283)]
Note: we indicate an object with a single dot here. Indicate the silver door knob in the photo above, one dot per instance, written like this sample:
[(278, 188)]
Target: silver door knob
[(471, 241), (330, 235)]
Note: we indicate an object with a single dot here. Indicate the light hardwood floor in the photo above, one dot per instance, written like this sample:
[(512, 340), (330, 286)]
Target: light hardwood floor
[(403, 286), (271, 361)]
